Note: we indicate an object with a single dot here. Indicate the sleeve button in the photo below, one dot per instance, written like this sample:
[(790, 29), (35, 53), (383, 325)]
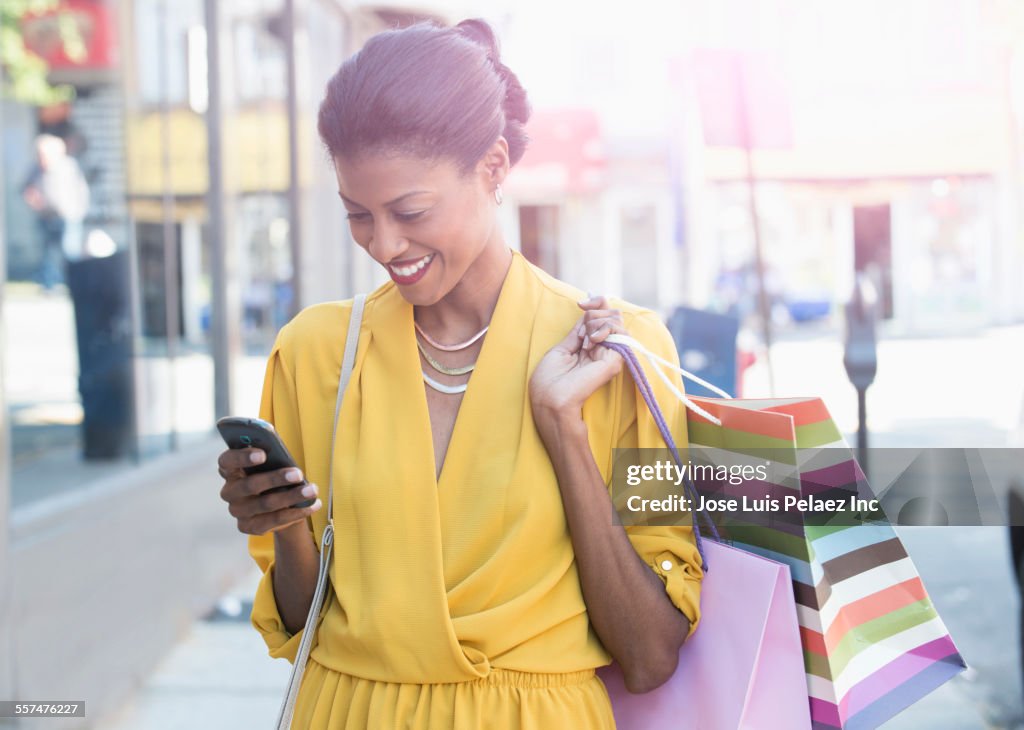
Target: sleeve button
[(666, 565)]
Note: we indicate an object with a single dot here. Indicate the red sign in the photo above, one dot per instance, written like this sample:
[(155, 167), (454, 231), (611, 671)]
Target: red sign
[(743, 99), (95, 26), (566, 150)]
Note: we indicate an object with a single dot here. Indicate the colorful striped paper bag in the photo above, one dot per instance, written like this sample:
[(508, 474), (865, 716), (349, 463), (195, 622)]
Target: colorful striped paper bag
[(873, 642)]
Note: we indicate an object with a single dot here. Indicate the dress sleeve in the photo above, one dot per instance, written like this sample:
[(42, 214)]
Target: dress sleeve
[(669, 550), (280, 407)]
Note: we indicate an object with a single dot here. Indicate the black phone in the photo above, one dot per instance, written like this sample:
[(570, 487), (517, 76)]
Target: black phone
[(240, 432)]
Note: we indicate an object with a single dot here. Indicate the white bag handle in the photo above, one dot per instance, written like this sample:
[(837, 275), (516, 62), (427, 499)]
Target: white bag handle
[(658, 362), (284, 717)]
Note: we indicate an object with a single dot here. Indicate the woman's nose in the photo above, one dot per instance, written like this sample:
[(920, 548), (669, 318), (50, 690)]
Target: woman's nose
[(387, 243)]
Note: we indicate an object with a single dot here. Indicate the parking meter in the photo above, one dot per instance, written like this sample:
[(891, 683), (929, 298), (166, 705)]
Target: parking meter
[(860, 356)]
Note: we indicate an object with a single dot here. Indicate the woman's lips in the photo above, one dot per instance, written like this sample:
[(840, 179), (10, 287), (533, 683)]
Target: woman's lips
[(410, 271)]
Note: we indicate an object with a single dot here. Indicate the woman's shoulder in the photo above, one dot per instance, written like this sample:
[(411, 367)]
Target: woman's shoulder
[(321, 328), (314, 323)]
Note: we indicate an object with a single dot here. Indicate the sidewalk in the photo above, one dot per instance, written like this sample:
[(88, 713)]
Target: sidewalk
[(967, 573), (218, 678)]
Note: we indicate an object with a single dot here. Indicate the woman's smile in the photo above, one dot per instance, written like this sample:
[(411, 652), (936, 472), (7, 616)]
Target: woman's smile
[(409, 271)]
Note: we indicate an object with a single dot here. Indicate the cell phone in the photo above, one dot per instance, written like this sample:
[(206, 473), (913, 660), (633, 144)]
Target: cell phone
[(240, 432)]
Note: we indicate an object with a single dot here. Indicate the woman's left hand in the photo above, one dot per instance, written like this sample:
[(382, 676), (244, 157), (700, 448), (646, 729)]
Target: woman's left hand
[(578, 365)]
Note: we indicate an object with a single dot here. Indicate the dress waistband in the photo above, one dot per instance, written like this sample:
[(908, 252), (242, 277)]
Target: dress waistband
[(530, 680), (497, 677)]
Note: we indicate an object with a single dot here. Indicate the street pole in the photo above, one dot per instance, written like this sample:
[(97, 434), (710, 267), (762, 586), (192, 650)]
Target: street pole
[(223, 326), (294, 182), (170, 244), (762, 294), (862, 428)]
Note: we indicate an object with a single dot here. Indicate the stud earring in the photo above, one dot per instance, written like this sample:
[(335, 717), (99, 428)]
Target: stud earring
[(498, 197)]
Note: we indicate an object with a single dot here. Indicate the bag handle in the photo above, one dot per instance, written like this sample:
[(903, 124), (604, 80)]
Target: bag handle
[(656, 361), (644, 386), (284, 717)]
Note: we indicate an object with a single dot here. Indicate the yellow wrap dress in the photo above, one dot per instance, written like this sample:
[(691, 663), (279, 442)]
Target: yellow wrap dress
[(456, 601)]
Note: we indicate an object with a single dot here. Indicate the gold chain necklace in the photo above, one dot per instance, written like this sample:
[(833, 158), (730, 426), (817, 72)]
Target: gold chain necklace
[(442, 368)]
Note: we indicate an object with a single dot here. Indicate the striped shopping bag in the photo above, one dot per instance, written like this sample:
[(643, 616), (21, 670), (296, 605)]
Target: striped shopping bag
[(873, 642)]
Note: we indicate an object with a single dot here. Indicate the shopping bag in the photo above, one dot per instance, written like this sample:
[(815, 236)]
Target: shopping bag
[(743, 668), (873, 643)]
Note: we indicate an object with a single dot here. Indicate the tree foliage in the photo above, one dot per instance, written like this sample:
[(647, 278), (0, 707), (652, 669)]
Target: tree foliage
[(23, 72)]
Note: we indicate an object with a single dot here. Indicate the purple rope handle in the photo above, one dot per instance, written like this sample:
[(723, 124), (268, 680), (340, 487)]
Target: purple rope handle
[(644, 386)]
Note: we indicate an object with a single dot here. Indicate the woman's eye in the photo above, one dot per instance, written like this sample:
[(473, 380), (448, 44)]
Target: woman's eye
[(409, 216), (357, 217)]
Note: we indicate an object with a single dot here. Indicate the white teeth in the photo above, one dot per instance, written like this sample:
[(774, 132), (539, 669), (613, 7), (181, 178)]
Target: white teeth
[(412, 268)]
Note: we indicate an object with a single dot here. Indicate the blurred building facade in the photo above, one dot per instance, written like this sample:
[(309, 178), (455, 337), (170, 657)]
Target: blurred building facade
[(902, 157), (885, 138), (213, 218)]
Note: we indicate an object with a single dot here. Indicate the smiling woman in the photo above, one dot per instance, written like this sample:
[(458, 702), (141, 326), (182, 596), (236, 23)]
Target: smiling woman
[(478, 575), (426, 221)]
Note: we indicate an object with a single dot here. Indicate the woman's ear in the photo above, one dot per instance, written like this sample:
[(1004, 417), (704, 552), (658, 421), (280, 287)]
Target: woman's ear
[(494, 165)]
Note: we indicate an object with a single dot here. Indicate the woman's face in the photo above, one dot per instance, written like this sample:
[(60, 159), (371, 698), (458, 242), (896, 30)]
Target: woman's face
[(426, 222)]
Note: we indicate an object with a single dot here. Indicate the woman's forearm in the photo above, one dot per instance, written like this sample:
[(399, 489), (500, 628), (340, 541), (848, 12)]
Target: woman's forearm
[(296, 566), (626, 601)]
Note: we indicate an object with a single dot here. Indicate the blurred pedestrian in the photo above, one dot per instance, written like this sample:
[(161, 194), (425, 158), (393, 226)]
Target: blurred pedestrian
[(55, 120), (58, 192), (479, 574)]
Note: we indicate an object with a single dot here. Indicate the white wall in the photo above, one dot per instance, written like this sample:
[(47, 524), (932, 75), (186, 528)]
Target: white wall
[(1008, 255)]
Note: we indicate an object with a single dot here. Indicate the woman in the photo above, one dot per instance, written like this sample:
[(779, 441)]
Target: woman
[(479, 575)]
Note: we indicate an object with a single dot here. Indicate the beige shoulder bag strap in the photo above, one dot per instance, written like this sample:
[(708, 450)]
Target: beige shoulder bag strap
[(284, 718)]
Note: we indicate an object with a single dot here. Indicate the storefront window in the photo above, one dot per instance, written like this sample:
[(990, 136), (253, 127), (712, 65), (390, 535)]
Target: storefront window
[(639, 235), (68, 316), (109, 310), (947, 231)]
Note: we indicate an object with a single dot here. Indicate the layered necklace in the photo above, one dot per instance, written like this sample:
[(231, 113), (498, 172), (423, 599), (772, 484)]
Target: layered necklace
[(443, 369)]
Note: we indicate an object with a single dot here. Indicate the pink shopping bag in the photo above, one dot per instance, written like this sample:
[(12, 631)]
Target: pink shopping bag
[(743, 667)]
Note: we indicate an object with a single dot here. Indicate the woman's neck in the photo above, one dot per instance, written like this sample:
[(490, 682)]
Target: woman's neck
[(467, 308)]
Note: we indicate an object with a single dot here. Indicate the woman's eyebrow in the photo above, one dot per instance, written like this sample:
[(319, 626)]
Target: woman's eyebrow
[(399, 199), (347, 201)]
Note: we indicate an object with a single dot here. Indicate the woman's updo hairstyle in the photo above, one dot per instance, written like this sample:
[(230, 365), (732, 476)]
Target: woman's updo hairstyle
[(427, 91)]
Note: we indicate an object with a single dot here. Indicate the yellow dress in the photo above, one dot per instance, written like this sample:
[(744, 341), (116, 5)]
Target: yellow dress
[(456, 601)]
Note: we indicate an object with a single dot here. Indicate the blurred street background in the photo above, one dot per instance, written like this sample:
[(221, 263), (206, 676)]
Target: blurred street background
[(819, 198)]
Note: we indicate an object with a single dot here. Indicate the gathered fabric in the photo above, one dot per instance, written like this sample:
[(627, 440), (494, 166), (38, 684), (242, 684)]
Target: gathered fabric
[(502, 699), (456, 597)]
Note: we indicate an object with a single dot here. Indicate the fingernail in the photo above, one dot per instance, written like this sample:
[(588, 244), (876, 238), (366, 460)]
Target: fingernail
[(309, 490), (293, 475), (316, 505), (257, 457)]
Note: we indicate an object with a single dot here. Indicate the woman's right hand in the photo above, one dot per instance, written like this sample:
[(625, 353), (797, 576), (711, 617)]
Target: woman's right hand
[(257, 512)]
